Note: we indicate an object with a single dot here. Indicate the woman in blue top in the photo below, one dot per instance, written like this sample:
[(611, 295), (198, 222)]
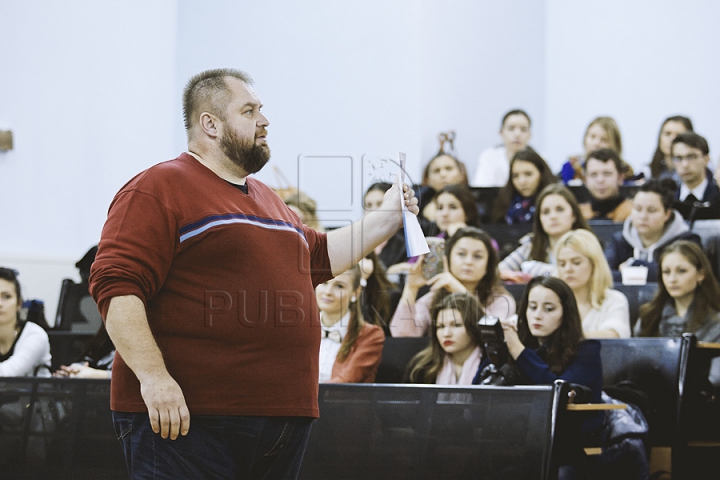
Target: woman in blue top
[(547, 342)]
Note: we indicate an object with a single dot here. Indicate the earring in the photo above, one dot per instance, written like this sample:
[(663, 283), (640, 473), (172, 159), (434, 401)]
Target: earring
[(353, 299)]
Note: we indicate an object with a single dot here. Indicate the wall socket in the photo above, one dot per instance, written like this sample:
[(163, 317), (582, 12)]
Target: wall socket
[(6, 140)]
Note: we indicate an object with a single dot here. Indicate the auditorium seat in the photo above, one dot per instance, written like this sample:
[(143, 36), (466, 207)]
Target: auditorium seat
[(77, 311)]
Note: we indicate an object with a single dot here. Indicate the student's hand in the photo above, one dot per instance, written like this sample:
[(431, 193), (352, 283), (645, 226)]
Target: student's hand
[(399, 268), (446, 280), (453, 227), (414, 279), (70, 370), (515, 346)]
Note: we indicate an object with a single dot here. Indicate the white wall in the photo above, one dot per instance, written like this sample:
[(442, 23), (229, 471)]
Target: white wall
[(638, 61), (87, 89), (349, 78)]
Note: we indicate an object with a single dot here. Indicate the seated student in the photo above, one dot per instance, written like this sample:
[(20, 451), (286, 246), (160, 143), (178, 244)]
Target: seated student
[(690, 155), (547, 343), (493, 167), (687, 299), (515, 202), (557, 213), (455, 353), (442, 170), (581, 263), (602, 132), (652, 224), (350, 348), (305, 208), (24, 346), (455, 207), (95, 361), (661, 165), (604, 173), (471, 266)]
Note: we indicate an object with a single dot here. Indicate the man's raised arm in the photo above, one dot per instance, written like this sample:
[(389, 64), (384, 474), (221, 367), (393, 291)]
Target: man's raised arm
[(348, 245)]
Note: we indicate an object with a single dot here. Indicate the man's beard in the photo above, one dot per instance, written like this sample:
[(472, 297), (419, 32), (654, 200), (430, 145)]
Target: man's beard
[(244, 153)]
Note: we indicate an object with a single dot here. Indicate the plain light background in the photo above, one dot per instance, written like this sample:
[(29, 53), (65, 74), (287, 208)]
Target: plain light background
[(92, 92)]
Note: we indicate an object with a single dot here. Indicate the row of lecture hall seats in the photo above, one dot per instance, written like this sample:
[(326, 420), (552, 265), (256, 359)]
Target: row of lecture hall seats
[(61, 428)]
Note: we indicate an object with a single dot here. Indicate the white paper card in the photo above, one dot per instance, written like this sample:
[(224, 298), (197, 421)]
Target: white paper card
[(634, 275), (415, 243)]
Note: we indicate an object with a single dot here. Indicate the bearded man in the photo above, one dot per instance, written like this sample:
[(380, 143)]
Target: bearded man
[(205, 280)]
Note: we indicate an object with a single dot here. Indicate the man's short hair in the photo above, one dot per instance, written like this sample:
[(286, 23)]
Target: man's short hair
[(693, 140), (208, 92), (606, 155)]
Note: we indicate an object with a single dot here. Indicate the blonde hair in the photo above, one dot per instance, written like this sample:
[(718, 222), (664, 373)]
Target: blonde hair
[(586, 244), (611, 129)]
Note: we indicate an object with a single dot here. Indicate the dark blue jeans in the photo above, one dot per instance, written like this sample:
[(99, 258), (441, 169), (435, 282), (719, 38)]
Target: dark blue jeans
[(216, 447)]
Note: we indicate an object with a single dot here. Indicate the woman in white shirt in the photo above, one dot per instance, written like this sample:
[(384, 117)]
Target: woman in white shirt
[(24, 346), (350, 348), (605, 312), (493, 168)]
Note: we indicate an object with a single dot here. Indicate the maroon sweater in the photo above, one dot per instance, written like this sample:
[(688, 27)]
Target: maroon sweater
[(228, 283)]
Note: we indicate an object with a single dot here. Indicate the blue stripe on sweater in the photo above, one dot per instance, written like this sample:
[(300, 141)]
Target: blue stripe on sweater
[(207, 223)]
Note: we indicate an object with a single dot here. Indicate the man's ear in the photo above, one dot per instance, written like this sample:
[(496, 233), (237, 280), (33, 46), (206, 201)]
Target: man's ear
[(209, 124)]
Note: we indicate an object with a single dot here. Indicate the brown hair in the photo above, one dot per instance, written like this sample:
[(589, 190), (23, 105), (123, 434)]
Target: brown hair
[(356, 322), (562, 345), (706, 300), (540, 240), (657, 164), (426, 364), (506, 193)]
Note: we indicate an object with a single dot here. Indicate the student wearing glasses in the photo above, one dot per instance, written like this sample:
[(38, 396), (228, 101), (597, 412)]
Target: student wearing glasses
[(691, 155)]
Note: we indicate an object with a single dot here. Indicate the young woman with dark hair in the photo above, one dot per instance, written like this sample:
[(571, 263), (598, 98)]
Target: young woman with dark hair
[(455, 353), (687, 298), (515, 202), (652, 224), (24, 346), (557, 213), (470, 266), (350, 347), (547, 343), (661, 165), (455, 207)]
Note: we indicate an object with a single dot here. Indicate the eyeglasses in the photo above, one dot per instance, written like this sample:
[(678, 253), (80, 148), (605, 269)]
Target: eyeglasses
[(691, 157)]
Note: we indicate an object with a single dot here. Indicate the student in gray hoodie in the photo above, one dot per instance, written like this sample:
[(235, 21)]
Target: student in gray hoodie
[(651, 226)]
